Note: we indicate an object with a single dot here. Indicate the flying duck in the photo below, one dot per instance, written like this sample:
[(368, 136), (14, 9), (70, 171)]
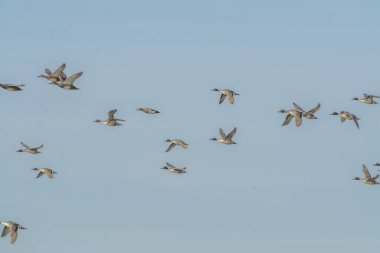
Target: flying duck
[(225, 139)]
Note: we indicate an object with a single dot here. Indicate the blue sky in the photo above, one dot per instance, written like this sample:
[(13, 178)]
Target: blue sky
[(280, 189)]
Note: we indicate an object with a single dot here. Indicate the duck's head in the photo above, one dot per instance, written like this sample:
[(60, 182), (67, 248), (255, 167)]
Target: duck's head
[(167, 140), (356, 178), (35, 169), (20, 150), (334, 113), (42, 76), (376, 164), (164, 168), (282, 111), (234, 142), (139, 109), (97, 121), (215, 89), (355, 98), (213, 139)]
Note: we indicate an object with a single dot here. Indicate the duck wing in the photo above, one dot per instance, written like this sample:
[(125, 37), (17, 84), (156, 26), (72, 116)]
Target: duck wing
[(170, 165), (366, 172), (70, 80), (288, 118), (41, 146), (312, 111), (230, 96), (111, 114), (59, 70), (222, 98), (47, 71), (5, 231), (222, 134), (231, 134), (298, 121), (375, 177), (13, 234), (39, 174), (171, 146), (356, 121), (298, 107), (24, 145)]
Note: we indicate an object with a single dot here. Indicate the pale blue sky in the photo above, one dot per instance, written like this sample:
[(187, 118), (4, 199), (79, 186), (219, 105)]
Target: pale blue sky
[(281, 189)]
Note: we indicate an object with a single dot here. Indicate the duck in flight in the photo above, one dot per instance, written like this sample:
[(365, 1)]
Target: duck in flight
[(293, 113), (368, 179), (12, 87), (29, 149), (148, 110), (11, 228), (226, 93), (67, 83), (347, 116), (367, 99), (56, 76), (111, 120), (308, 114), (174, 169), (49, 172), (176, 142), (225, 139)]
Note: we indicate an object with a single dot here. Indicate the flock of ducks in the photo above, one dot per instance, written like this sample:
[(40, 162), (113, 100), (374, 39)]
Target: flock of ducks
[(59, 78)]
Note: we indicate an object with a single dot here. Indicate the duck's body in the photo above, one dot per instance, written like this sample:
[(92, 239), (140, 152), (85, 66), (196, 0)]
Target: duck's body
[(174, 169), (111, 120), (49, 172), (292, 113), (12, 87), (29, 149), (68, 83), (368, 179), (225, 139), (308, 114), (148, 110), (367, 99), (174, 143), (11, 228), (226, 93), (55, 77), (347, 116)]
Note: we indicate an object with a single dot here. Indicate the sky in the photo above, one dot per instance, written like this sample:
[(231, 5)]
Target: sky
[(280, 189)]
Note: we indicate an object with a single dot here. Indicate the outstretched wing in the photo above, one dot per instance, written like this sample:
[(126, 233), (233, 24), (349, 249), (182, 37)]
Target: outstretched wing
[(170, 165), (356, 121), (366, 172), (312, 111), (59, 70), (288, 118), (231, 134), (13, 236), (5, 231), (375, 177), (24, 145), (222, 134), (111, 114), (231, 97), (298, 121), (222, 98), (41, 146), (47, 71), (39, 174), (70, 80), (297, 107), (171, 146)]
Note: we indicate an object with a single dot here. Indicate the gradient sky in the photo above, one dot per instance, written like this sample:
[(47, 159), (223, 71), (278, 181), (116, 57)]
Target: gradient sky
[(281, 189)]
